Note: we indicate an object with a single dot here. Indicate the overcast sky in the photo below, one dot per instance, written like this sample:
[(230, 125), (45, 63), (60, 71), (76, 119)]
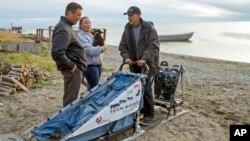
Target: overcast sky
[(42, 13)]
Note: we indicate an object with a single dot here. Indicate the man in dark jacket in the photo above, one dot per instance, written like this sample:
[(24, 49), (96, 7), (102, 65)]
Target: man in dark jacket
[(140, 44), (68, 53)]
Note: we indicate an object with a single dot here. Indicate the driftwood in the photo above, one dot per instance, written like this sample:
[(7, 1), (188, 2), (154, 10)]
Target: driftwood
[(20, 85), (9, 88), (18, 78), (21, 69), (4, 94), (15, 73), (6, 78), (17, 66), (5, 90), (8, 84)]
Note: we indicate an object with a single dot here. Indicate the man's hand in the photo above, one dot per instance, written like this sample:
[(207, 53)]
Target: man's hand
[(73, 70), (128, 61), (141, 62)]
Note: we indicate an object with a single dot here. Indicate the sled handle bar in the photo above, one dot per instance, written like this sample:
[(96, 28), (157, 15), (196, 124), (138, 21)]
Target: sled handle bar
[(145, 69)]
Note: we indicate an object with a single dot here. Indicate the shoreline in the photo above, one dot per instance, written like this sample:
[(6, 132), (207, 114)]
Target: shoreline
[(204, 58), (197, 57)]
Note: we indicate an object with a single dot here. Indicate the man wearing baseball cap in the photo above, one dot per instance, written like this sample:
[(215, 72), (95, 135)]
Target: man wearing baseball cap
[(140, 44), (133, 10)]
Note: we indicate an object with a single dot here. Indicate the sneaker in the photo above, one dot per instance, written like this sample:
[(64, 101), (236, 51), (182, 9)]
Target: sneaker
[(148, 119)]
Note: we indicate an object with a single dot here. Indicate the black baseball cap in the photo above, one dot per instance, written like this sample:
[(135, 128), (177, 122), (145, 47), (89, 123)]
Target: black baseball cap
[(133, 10)]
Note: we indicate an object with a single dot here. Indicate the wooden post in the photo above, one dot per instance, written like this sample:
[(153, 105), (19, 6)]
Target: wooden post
[(50, 33), (41, 35), (37, 34), (104, 34)]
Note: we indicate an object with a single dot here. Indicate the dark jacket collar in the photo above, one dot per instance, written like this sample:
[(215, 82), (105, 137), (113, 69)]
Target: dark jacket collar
[(142, 22), (66, 20)]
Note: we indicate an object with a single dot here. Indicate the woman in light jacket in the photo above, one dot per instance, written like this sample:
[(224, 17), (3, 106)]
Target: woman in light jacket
[(92, 53)]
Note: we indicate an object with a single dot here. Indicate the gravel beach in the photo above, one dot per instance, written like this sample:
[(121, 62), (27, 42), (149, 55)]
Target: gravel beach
[(216, 94)]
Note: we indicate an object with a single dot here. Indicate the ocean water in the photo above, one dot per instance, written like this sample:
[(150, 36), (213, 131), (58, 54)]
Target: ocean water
[(219, 40)]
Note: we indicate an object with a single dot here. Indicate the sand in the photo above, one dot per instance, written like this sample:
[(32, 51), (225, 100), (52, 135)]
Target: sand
[(216, 94)]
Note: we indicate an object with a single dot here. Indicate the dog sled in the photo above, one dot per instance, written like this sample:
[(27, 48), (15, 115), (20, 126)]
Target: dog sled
[(112, 107), (107, 108)]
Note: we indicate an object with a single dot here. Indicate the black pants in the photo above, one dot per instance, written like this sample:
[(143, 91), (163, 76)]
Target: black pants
[(148, 108), (148, 97), (72, 83)]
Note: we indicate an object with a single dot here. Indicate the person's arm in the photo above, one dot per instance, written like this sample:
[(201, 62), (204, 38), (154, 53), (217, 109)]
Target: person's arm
[(152, 48), (60, 43), (123, 48), (88, 48)]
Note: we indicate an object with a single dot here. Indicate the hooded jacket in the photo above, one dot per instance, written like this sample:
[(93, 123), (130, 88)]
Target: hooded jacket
[(148, 46)]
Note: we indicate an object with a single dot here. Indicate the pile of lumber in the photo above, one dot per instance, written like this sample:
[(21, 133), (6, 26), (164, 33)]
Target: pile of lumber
[(19, 78)]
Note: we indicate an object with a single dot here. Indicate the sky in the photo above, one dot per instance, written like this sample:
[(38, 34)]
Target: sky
[(32, 14)]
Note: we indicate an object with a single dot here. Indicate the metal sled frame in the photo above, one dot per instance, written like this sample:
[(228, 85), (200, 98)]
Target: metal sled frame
[(172, 103)]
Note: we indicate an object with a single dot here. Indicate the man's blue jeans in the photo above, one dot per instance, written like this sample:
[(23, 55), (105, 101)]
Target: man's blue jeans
[(93, 74)]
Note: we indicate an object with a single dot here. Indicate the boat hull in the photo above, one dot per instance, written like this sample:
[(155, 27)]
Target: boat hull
[(176, 37)]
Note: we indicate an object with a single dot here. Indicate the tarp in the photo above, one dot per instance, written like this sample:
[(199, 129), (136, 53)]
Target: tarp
[(83, 109)]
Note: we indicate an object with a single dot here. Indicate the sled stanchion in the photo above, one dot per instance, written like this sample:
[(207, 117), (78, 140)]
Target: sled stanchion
[(182, 71), (137, 130)]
